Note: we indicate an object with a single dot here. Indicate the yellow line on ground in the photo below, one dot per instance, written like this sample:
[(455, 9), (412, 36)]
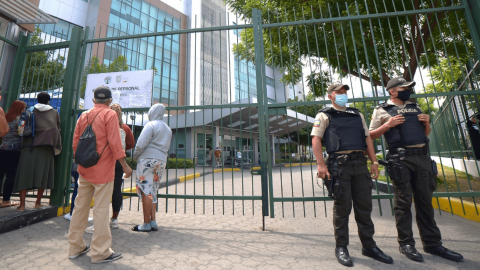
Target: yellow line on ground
[(189, 177), (470, 212)]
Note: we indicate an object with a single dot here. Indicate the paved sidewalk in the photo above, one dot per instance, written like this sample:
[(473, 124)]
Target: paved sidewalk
[(197, 241)]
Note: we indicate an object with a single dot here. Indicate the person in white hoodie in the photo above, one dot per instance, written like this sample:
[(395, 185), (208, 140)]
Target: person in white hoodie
[(151, 154), (36, 166)]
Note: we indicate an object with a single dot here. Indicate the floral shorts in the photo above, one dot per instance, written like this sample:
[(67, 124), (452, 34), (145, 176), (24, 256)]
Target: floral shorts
[(149, 174)]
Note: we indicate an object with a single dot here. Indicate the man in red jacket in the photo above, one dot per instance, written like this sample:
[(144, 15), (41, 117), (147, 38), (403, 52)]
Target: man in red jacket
[(97, 181)]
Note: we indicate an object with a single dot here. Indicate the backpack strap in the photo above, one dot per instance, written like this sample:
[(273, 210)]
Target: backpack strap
[(94, 117)]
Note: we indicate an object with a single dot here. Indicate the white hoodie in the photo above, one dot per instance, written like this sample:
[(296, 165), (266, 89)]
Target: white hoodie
[(154, 141)]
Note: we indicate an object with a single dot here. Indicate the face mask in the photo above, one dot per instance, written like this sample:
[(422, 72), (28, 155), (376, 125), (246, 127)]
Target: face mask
[(404, 95), (341, 100)]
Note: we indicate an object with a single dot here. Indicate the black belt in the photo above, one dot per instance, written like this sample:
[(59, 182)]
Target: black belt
[(351, 156), (411, 151)]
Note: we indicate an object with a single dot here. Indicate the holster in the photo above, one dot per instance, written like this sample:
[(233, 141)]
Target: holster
[(394, 168), (334, 188), (434, 167)]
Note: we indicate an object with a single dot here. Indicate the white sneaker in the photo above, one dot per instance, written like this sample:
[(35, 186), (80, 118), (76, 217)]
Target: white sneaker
[(89, 230), (68, 217), (114, 223), (90, 219)]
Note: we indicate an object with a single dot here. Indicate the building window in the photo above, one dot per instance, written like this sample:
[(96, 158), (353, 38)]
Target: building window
[(129, 17), (270, 82)]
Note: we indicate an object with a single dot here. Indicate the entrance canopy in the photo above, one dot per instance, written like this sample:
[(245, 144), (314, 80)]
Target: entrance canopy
[(24, 12)]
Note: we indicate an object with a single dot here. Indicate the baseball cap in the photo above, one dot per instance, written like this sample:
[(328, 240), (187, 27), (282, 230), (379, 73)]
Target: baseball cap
[(399, 81), (102, 92), (337, 86)]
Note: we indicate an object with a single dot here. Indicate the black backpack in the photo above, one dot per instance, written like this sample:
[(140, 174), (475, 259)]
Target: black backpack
[(86, 155)]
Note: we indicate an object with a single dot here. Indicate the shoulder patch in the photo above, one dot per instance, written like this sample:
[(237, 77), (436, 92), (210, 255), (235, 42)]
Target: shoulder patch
[(316, 123)]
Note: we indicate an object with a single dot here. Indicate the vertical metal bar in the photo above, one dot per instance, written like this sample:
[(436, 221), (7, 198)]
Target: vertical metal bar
[(258, 42), (71, 76)]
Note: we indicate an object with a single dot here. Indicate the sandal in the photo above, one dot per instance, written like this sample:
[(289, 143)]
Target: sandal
[(136, 229), (20, 209), (10, 203)]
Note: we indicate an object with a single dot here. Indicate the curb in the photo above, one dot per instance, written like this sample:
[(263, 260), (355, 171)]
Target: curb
[(443, 202), (26, 218)]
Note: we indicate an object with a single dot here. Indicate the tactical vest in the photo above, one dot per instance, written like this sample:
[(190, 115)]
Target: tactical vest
[(411, 132), (345, 130)]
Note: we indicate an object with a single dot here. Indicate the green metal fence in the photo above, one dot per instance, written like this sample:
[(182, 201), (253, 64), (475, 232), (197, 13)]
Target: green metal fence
[(253, 86)]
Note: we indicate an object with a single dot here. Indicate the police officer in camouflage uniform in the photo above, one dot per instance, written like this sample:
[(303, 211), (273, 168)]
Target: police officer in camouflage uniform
[(406, 128), (346, 138)]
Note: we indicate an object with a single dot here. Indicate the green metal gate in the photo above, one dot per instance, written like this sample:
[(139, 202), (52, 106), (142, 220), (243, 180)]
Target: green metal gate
[(252, 88)]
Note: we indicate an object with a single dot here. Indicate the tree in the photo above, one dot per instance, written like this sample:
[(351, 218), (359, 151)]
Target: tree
[(44, 71), (403, 43), (93, 66)]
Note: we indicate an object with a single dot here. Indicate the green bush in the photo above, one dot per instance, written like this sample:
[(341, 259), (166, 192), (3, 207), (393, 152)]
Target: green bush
[(179, 163), (172, 163)]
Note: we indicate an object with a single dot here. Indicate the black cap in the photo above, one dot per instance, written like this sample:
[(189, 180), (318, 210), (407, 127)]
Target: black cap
[(337, 86), (102, 92), (399, 81)]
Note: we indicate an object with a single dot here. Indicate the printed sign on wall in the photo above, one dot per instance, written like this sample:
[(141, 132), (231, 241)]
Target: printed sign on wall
[(130, 89)]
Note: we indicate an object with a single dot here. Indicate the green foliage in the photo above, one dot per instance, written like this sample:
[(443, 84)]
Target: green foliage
[(44, 70), (179, 163), (94, 66), (366, 108), (403, 43), (172, 163)]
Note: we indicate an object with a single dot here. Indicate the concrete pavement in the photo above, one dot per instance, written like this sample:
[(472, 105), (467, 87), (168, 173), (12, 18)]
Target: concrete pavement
[(198, 235)]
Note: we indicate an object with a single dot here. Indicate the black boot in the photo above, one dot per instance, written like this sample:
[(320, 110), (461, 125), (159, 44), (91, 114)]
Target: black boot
[(444, 253), (377, 254), (411, 253), (343, 257)]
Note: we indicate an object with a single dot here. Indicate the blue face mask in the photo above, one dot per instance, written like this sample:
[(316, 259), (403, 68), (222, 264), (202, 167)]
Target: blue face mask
[(341, 100)]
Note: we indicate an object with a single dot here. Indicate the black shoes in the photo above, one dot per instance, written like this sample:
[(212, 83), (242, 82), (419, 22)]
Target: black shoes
[(343, 257), (411, 253), (111, 258), (377, 254), (444, 253), (87, 249)]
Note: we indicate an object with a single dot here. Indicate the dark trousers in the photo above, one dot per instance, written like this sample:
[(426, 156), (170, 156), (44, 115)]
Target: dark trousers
[(75, 176), (417, 179), (117, 197), (356, 183), (8, 167)]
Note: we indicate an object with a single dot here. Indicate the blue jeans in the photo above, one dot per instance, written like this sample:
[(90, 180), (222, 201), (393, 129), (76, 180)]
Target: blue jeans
[(75, 175)]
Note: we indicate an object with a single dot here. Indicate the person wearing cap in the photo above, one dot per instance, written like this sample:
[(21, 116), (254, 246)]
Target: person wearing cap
[(472, 125), (346, 138), (97, 181), (405, 129)]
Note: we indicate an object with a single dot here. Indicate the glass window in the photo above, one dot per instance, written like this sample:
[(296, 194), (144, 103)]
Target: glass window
[(144, 20), (174, 74), (167, 44), (137, 4), (166, 69), (143, 46), (176, 24), (161, 15), (153, 11), (145, 7), (142, 62), (174, 59), (270, 82), (151, 25), (149, 62), (115, 5), (174, 86), (176, 48)]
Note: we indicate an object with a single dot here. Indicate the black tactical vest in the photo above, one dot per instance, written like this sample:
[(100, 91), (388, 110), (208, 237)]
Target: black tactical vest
[(411, 132), (345, 130)]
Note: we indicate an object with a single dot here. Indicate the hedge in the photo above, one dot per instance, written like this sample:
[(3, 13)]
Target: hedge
[(172, 163)]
